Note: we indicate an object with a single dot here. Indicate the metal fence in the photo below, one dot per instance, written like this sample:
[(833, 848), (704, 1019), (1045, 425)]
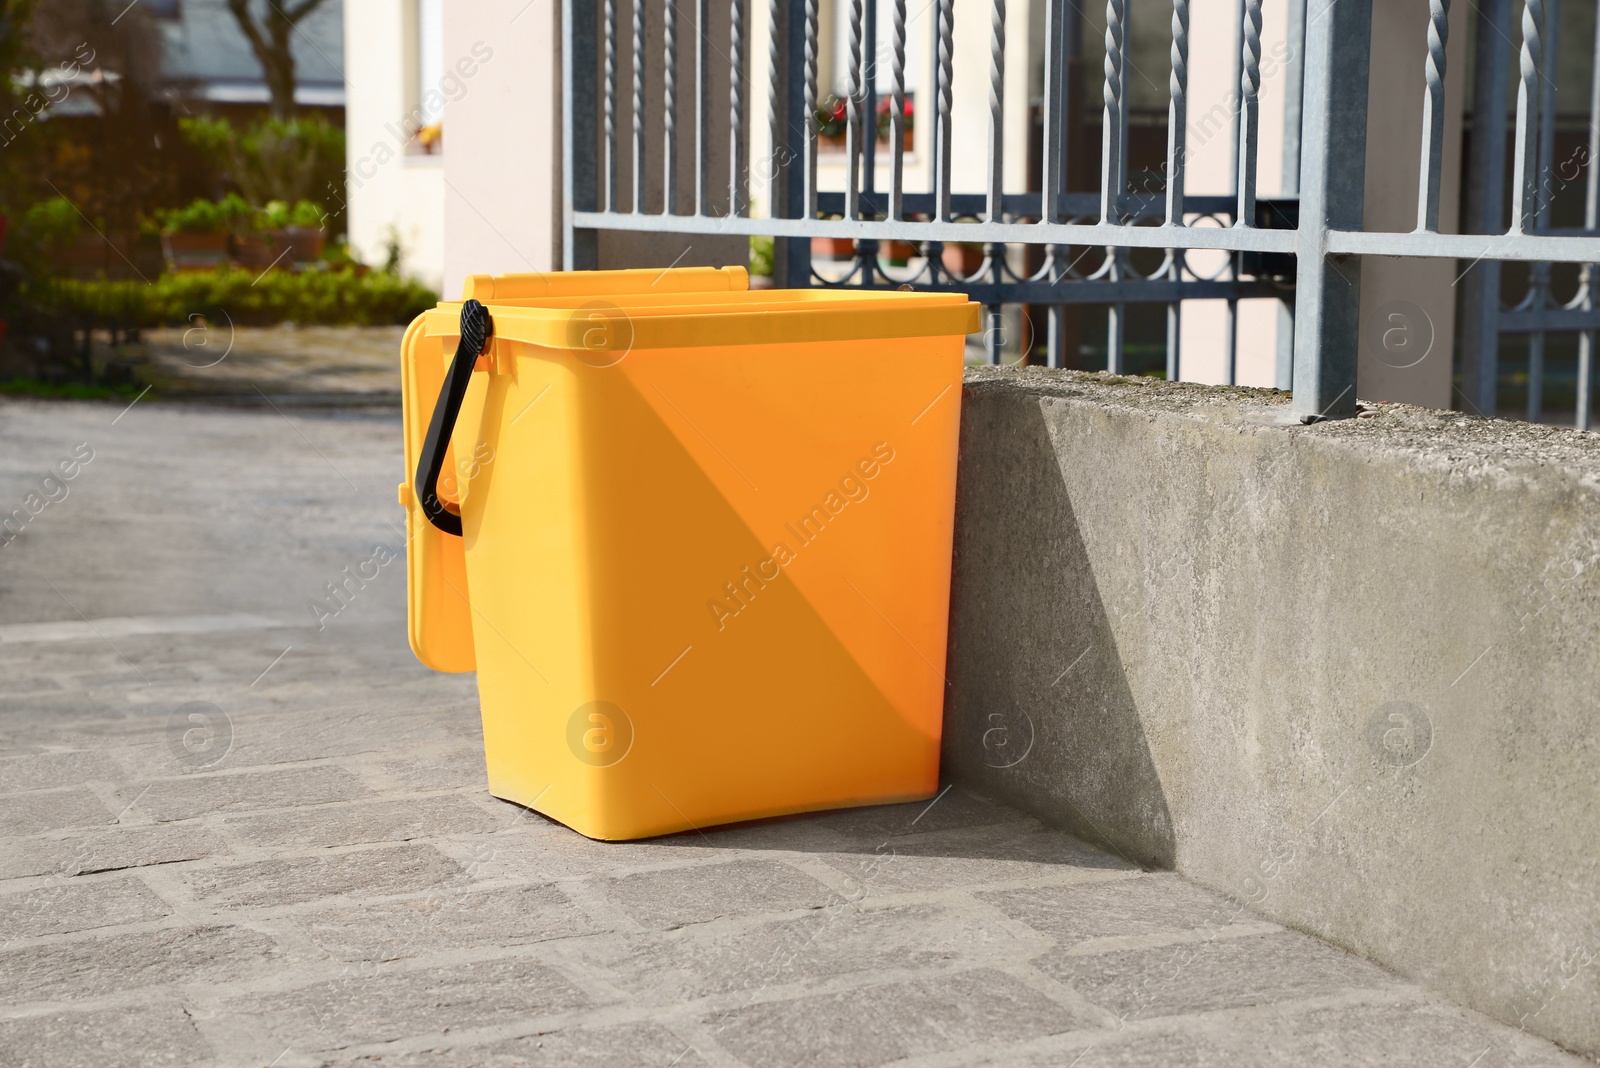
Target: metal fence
[(1084, 248)]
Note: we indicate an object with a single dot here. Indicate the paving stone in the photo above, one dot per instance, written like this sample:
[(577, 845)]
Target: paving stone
[(447, 771), (390, 820), (1417, 1034), (65, 708), (85, 967), (289, 880), (372, 1004), (644, 1045), (532, 848), (890, 1022), (32, 813), (446, 919), (130, 847), (949, 809), (30, 684), (1222, 973), (157, 1035), (678, 896), (46, 771), (969, 860), (179, 799), (1166, 1049), (333, 731), (1147, 904), (79, 906), (697, 961), (786, 834)]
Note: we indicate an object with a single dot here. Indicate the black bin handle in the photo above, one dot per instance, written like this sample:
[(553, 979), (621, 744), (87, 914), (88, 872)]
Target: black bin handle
[(476, 329)]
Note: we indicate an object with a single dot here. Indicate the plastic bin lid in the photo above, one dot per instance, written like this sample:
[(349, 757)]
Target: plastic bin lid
[(492, 288), (703, 319)]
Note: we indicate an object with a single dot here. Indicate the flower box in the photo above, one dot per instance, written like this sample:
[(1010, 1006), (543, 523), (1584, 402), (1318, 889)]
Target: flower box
[(194, 252)]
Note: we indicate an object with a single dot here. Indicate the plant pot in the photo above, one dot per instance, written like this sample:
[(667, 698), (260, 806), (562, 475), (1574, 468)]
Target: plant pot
[(963, 260), (830, 142), (194, 252), (303, 242), (833, 248), (255, 252), (906, 139), (761, 281), (899, 252)]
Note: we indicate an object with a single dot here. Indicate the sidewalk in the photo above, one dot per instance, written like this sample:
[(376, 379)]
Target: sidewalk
[(229, 837), (333, 366)]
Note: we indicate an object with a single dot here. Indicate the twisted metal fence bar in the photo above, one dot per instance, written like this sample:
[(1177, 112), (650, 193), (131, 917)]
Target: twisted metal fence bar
[(1293, 96), (1480, 281), (638, 108), (702, 110), (1317, 225), (1591, 221), (669, 108)]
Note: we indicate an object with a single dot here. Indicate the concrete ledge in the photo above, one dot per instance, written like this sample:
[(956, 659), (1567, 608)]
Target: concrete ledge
[(1348, 673)]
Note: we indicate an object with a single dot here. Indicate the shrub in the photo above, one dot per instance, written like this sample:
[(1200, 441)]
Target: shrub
[(280, 215), (200, 217), (236, 213), (761, 251), (312, 297), (45, 230), (277, 159)]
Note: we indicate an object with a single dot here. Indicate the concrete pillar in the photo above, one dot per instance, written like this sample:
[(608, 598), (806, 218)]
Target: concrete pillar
[(1404, 302), (392, 194), (502, 161), (1408, 306)]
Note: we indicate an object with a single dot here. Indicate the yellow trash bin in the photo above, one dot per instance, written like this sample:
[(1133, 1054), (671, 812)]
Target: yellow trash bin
[(703, 563)]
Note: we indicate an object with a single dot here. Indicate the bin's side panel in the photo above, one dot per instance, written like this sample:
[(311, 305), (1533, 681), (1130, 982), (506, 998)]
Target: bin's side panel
[(529, 564), (438, 611)]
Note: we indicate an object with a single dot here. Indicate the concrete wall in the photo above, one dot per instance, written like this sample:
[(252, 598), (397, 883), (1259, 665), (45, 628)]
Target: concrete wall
[(1345, 672)]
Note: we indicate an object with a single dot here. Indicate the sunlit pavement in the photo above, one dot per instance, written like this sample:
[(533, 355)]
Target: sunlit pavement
[(237, 830)]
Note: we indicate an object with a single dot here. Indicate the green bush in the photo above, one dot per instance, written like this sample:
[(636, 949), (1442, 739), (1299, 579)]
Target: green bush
[(46, 229), (276, 159), (236, 213), (228, 294), (280, 215), (201, 216), (761, 256)]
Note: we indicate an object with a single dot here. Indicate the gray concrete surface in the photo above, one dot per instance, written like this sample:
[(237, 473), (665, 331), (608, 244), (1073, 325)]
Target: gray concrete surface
[(1347, 673), (312, 872), (335, 366)]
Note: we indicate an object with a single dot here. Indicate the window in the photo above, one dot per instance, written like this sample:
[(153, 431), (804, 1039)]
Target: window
[(428, 108)]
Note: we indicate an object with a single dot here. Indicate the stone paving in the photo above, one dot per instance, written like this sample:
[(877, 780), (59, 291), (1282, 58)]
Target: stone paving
[(329, 365), (228, 837)]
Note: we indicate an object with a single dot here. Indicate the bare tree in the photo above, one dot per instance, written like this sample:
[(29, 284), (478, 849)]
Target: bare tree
[(270, 38)]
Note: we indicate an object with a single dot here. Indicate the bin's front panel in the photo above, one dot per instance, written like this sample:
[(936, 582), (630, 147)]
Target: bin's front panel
[(758, 552)]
